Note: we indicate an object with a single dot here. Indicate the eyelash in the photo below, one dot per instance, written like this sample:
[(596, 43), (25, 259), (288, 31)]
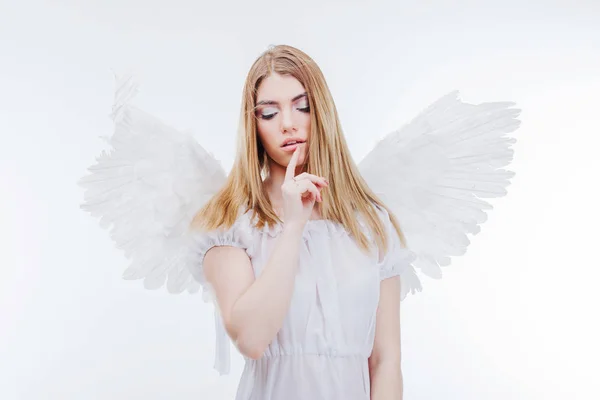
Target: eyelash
[(270, 116)]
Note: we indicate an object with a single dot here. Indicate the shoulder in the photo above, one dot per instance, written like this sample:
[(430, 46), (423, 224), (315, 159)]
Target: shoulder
[(382, 213), (237, 234), (232, 242)]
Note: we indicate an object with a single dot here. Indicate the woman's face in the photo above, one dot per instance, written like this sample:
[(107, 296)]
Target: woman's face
[(283, 114)]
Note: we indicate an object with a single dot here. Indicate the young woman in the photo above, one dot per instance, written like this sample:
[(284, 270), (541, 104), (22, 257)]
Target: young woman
[(305, 265), (302, 258)]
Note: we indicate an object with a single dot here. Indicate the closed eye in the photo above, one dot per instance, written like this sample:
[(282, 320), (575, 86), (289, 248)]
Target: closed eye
[(270, 116)]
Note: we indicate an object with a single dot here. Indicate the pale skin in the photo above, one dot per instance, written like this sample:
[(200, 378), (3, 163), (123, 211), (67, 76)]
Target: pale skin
[(253, 309)]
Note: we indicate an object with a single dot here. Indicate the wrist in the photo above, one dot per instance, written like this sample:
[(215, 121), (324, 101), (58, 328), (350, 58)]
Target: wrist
[(293, 227)]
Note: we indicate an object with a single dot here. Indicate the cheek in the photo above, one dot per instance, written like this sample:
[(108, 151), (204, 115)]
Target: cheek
[(306, 122), (267, 135), (305, 125)]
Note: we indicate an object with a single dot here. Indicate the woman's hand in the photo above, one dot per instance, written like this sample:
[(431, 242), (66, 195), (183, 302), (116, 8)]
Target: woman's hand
[(300, 193)]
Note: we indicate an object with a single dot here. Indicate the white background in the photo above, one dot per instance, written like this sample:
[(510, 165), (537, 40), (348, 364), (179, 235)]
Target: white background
[(515, 318)]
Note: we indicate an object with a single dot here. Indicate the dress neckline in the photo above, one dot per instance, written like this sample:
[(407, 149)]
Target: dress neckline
[(311, 225)]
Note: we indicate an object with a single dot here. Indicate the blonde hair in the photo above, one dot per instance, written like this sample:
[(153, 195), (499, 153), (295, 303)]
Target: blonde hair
[(328, 156)]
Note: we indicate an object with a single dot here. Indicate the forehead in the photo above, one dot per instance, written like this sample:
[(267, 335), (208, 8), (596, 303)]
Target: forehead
[(279, 88)]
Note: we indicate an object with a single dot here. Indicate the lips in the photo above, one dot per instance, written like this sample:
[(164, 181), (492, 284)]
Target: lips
[(291, 142), (291, 147)]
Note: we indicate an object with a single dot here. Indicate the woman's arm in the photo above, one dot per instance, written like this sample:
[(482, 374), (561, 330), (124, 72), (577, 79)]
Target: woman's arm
[(252, 309), (385, 361)]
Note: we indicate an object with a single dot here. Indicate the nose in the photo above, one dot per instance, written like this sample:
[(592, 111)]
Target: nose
[(287, 124)]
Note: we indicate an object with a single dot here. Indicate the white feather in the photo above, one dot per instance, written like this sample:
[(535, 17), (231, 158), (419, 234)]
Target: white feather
[(146, 189), (434, 172)]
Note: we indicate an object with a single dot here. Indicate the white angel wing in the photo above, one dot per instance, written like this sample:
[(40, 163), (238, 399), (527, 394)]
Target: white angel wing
[(434, 172), (146, 190)]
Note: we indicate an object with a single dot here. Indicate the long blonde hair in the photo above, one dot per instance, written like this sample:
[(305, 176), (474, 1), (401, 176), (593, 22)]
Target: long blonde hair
[(328, 156)]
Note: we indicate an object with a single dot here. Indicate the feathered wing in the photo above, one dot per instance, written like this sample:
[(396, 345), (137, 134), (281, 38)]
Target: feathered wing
[(146, 189), (434, 173)]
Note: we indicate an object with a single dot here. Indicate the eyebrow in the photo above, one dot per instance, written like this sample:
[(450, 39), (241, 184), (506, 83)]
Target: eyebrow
[(269, 102)]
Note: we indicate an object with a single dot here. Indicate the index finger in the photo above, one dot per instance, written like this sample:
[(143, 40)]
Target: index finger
[(291, 167)]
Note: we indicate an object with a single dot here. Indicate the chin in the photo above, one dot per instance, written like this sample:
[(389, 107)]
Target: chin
[(284, 159)]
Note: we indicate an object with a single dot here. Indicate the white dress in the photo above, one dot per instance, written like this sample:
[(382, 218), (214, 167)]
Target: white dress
[(322, 350)]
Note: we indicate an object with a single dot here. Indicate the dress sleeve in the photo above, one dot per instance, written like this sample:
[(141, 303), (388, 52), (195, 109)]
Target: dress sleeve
[(397, 260), (239, 236)]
